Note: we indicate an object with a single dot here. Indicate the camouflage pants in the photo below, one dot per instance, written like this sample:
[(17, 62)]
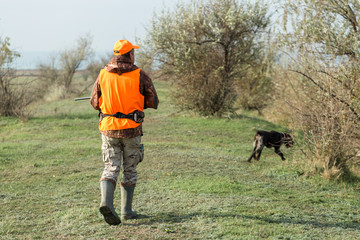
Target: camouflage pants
[(127, 151)]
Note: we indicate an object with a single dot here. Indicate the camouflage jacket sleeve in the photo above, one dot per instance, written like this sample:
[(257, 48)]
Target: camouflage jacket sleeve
[(147, 89), (95, 95)]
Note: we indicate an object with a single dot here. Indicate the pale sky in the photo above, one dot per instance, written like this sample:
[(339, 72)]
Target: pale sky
[(49, 25), (40, 28)]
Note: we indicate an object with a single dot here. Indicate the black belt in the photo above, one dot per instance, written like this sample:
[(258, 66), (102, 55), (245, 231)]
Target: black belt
[(137, 116)]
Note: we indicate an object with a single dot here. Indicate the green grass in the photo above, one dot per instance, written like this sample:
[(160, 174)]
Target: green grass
[(194, 182)]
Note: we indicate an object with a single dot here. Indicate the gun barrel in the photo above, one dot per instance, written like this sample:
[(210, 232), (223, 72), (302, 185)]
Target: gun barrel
[(83, 98)]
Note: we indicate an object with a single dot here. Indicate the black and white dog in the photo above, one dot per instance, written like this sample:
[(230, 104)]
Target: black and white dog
[(269, 140)]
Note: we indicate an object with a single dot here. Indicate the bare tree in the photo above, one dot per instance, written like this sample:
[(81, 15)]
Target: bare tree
[(70, 60), (59, 71)]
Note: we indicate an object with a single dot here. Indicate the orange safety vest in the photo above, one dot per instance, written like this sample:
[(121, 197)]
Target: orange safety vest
[(119, 93)]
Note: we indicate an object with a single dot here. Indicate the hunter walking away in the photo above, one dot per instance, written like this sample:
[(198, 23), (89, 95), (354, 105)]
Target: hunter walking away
[(121, 92)]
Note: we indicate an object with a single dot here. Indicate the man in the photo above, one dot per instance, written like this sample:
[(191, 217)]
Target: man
[(121, 92)]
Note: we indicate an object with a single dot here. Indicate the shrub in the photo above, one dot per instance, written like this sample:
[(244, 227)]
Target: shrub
[(206, 48), (324, 42), (15, 94)]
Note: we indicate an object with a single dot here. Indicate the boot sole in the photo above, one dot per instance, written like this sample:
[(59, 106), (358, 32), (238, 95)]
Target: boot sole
[(109, 217), (128, 217)]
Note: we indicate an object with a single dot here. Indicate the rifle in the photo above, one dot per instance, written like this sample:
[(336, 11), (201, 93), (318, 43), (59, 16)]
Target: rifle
[(83, 98)]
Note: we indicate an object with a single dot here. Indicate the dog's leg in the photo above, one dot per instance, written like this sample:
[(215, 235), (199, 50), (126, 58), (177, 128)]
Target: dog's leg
[(259, 147), (252, 155), (277, 151), (255, 144), (258, 153)]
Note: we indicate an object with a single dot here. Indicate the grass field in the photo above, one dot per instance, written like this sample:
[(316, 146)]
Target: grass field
[(194, 182)]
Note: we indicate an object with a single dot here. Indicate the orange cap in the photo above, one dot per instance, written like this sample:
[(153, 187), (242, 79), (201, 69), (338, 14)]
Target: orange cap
[(123, 46)]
